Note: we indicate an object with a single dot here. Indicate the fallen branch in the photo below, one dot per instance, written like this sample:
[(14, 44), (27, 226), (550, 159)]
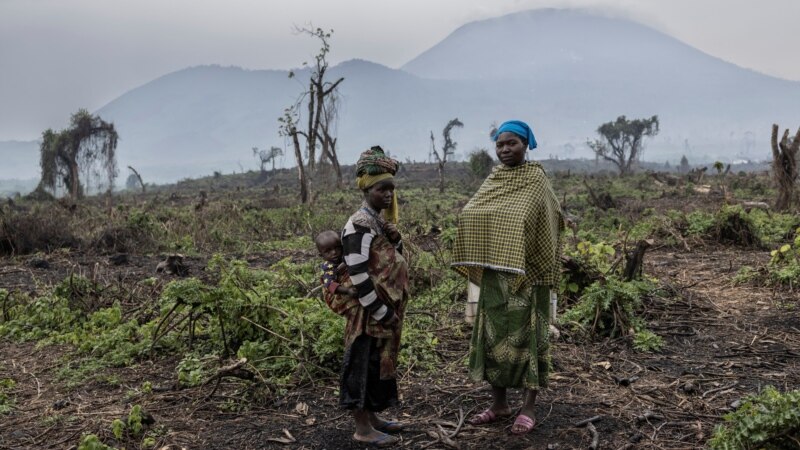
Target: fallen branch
[(312, 291), (711, 391), (461, 417), (624, 381), (649, 415), (595, 436), (588, 421), (445, 439), (289, 439), (233, 370)]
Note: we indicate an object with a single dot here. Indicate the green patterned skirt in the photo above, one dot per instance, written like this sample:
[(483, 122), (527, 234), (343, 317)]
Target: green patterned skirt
[(510, 339)]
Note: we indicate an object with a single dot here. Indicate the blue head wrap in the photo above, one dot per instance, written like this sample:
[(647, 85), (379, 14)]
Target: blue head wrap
[(519, 128)]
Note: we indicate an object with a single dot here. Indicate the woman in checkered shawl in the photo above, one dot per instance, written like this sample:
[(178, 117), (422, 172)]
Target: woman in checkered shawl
[(509, 244)]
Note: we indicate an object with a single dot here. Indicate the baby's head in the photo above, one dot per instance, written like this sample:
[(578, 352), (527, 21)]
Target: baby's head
[(329, 246)]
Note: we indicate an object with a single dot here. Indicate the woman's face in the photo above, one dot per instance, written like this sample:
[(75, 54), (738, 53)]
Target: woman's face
[(510, 149), (379, 195)]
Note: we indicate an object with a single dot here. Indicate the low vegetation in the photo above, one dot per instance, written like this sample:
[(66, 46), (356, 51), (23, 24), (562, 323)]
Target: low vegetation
[(247, 308)]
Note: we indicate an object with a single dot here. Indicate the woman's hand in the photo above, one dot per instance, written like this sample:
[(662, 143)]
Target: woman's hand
[(352, 292), (391, 232)]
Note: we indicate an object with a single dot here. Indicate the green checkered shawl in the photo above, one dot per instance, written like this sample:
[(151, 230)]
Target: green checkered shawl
[(512, 224)]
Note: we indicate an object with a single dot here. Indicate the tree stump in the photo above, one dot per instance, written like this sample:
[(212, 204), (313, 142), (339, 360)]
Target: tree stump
[(635, 259)]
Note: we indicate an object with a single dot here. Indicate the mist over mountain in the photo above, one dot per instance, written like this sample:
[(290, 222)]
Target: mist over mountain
[(586, 69), (563, 71), (19, 160)]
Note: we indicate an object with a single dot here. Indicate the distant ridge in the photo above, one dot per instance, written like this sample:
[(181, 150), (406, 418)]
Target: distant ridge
[(564, 71)]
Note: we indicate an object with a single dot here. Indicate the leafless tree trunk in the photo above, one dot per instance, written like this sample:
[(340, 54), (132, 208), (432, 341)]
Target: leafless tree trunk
[(327, 127), (448, 149), (138, 177), (301, 170), (635, 259), (784, 166), (319, 95), (74, 189)]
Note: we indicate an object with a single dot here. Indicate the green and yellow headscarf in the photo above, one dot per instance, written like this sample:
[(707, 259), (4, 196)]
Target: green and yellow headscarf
[(372, 167)]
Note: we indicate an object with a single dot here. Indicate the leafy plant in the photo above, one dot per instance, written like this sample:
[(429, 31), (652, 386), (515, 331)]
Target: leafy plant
[(784, 265), (609, 307), (190, 371), (745, 274), (732, 225), (118, 428), (6, 402), (769, 420), (92, 442), (699, 223), (591, 262), (647, 341), (135, 417)]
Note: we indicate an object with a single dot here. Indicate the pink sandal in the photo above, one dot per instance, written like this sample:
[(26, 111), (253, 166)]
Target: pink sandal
[(525, 422), (483, 418)]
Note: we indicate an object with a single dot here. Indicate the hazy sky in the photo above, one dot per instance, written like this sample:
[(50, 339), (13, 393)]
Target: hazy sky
[(60, 55)]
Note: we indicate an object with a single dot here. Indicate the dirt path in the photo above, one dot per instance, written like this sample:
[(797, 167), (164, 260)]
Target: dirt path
[(722, 342)]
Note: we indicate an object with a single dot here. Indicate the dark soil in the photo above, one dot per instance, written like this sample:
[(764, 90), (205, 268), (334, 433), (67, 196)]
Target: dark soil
[(723, 342)]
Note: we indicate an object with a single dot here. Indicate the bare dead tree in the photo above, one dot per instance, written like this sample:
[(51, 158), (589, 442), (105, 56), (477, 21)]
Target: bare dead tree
[(288, 129), (330, 116), (784, 166), (448, 149), (138, 177), (320, 92)]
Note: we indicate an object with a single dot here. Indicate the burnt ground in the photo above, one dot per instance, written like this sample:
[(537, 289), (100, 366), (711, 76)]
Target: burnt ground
[(723, 341)]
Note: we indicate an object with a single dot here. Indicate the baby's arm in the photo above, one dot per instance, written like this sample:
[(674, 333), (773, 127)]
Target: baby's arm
[(350, 291), (328, 277)]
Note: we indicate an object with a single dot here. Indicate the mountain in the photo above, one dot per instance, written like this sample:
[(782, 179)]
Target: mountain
[(583, 69), (564, 71), (208, 118)]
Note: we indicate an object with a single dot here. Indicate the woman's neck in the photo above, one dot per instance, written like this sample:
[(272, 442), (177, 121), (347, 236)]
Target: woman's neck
[(371, 207)]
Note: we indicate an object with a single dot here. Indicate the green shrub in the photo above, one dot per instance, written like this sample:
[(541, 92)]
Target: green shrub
[(609, 307), (190, 371), (769, 420), (591, 262), (118, 428), (745, 274), (699, 223), (92, 442), (6, 401), (784, 265), (41, 318), (135, 417), (774, 227), (732, 225), (647, 341)]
